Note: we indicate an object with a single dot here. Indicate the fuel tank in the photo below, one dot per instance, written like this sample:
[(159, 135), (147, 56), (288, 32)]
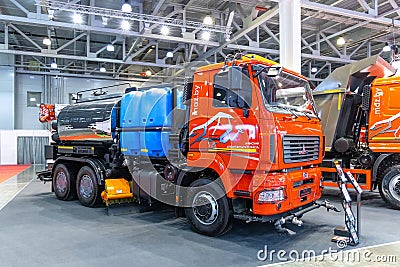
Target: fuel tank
[(88, 121)]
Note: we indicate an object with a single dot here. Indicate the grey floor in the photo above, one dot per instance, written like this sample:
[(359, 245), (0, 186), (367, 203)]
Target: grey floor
[(36, 229)]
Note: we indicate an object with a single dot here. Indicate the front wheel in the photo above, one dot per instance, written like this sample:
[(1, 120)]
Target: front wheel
[(389, 187), (88, 191), (209, 211)]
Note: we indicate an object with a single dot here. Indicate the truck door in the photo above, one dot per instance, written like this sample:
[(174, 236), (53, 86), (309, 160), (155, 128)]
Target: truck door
[(385, 113), (233, 127)]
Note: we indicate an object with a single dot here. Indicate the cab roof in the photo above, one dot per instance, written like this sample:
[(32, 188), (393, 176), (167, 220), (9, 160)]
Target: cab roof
[(247, 59)]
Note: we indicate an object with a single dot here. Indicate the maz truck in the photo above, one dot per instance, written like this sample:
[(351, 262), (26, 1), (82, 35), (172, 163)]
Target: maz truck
[(360, 110), (241, 139)]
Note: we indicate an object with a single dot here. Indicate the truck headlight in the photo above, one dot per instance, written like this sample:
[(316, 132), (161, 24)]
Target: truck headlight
[(271, 195)]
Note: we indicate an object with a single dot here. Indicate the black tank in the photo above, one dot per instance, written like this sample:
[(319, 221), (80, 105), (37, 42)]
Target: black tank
[(87, 122)]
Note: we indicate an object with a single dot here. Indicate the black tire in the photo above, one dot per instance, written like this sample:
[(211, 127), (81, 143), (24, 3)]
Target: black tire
[(389, 187), (87, 189), (214, 218), (64, 179)]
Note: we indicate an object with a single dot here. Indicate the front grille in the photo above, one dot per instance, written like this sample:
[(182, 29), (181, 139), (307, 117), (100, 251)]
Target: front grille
[(300, 148)]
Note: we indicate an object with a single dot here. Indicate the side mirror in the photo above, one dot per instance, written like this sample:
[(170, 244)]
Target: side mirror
[(235, 78)]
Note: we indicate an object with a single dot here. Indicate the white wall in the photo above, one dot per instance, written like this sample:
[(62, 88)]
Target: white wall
[(55, 90), (8, 143), (28, 117)]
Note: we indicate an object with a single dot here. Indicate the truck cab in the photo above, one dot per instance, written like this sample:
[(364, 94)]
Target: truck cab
[(254, 123), (360, 114)]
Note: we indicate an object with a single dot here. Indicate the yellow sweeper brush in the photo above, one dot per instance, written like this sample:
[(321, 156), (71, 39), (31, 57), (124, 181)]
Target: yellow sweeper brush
[(117, 191)]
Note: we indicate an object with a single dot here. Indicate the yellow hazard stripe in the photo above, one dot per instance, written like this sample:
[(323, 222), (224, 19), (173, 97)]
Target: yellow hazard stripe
[(339, 101), (333, 91), (66, 147), (250, 150), (384, 138)]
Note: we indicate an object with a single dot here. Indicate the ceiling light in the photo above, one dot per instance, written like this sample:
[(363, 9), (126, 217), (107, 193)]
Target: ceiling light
[(206, 35), (103, 69), (227, 38), (170, 54), (341, 41), (386, 48), (77, 18), (46, 41), (148, 73), (110, 48), (314, 69), (125, 25), (126, 7), (53, 65), (208, 20), (164, 30), (104, 21)]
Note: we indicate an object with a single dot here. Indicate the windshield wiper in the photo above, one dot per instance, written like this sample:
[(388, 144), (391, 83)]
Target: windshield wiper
[(287, 109), (305, 114)]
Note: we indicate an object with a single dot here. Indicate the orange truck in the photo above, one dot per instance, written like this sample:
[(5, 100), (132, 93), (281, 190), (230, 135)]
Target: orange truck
[(360, 110), (241, 139)]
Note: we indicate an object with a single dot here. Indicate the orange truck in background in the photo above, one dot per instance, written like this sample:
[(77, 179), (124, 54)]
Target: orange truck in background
[(246, 143), (360, 110)]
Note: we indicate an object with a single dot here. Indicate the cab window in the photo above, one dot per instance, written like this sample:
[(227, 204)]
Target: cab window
[(223, 96)]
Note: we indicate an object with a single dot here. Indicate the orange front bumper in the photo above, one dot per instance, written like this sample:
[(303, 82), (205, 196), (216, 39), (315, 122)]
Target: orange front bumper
[(301, 188)]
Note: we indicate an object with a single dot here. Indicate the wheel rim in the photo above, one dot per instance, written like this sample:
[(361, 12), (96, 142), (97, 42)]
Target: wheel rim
[(205, 208), (86, 186), (394, 187), (61, 182)]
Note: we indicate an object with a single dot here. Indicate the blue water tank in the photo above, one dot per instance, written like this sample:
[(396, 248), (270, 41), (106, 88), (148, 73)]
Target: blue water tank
[(143, 113), (154, 144), (130, 143), (129, 118), (130, 109), (113, 120), (155, 107), (179, 100)]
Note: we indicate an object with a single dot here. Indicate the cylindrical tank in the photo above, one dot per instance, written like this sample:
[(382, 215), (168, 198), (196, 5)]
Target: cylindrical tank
[(90, 121)]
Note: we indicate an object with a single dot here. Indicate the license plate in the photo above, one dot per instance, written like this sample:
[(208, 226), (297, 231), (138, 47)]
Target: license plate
[(304, 192)]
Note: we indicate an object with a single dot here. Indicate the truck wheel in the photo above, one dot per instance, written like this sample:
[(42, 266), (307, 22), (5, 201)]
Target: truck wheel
[(88, 191), (209, 213), (64, 182), (389, 187)]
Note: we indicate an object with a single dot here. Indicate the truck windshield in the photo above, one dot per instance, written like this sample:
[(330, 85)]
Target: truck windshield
[(286, 93)]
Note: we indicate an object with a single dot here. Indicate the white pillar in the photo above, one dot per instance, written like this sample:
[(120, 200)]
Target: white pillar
[(7, 92), (290, 34)]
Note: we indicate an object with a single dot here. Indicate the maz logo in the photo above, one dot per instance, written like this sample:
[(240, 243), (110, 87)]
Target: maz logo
[(303, 151)]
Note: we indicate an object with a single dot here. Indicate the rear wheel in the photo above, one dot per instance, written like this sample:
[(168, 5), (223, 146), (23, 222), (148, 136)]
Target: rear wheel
[(88, 191), (209, 211), (389, 187), (64, 182)]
